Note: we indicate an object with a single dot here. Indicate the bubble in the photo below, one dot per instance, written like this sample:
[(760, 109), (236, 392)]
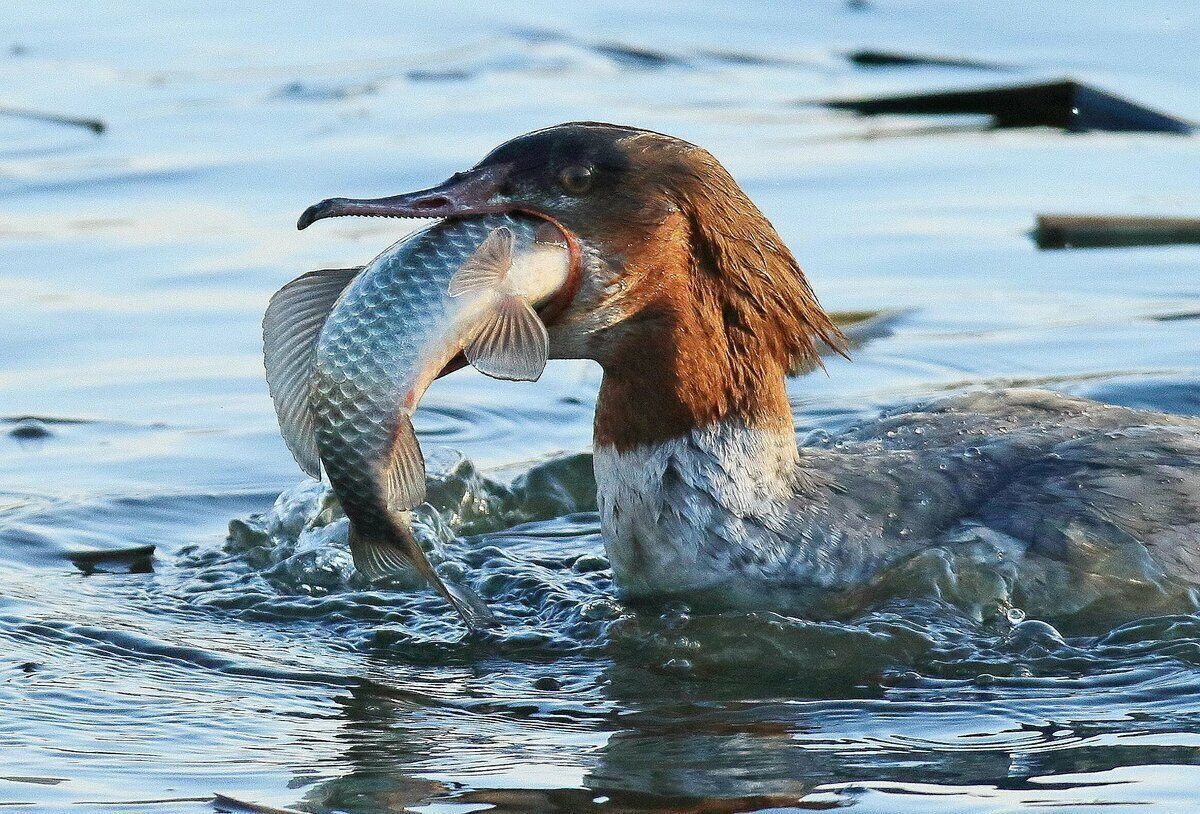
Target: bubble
[(600, 610), (678, 665)]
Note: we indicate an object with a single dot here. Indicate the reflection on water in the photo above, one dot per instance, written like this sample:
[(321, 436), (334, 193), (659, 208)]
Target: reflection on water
[(246, 657)]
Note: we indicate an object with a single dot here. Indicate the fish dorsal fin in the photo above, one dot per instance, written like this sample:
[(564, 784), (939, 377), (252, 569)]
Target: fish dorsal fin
[(403, 473), (290, 329), (511, 342), (487, 267)]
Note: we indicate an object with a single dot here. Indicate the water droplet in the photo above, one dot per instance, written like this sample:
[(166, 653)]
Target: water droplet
[(1015, 616), (678, 665), (589, 563), (600, 610)]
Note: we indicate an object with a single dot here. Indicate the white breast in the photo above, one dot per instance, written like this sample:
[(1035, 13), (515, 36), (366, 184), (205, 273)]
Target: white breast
[(692, 512)]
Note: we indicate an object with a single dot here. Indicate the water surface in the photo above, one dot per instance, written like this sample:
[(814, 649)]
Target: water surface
[(248, 659)]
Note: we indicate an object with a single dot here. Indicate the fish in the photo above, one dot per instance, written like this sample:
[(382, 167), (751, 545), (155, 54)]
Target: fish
[(349, 353)]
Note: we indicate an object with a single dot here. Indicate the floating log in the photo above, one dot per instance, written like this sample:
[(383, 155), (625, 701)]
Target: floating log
[(136, 559), (1093, 231), (232, 805), (895, 59), (95, 125), (1067, 105)]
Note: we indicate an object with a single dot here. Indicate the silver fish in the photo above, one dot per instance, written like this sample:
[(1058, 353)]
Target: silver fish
[(350, 352)]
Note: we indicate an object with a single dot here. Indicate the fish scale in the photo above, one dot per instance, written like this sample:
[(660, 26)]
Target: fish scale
[(392, 329), (376, 336)]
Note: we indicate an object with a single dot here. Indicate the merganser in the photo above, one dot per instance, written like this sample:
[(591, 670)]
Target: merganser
[(697, 311)]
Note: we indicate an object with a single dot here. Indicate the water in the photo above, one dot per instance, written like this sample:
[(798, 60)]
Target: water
[(249, 660)]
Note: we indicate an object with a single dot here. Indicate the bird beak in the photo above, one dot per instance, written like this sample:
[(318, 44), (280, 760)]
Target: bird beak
[(464, 193), (473, 192)]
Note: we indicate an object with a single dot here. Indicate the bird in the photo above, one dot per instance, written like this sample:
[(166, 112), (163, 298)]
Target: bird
[(697, 312)]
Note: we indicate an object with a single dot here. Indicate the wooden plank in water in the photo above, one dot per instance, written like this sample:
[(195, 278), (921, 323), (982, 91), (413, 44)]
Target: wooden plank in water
[(897, 59), (1065, 104), (95, 125), (136, 559), (1094, 231), (232, 805)]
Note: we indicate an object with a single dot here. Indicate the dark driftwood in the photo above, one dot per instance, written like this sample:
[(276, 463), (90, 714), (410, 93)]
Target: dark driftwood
[(135, 559), (233, 805), (1067, 105), (95, 125), (896, 59), (1091, 231)]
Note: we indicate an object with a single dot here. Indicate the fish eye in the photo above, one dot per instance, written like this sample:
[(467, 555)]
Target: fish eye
[(576, 179)]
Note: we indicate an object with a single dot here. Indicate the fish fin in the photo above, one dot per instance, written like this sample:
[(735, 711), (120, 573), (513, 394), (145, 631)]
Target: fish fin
[(379, 557), (403, 474), (291, 326), (470, 605), (510, 343), (485, 269)]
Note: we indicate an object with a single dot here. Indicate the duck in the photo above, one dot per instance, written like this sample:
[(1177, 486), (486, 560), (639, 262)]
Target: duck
[(697, 312)]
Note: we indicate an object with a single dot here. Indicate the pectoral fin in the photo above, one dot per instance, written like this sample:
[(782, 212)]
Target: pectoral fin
[(486, 268), (403, 475), (510, 343), (290, 329)]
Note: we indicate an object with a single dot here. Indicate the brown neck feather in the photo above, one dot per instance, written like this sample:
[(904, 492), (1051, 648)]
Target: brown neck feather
[(718, 313)]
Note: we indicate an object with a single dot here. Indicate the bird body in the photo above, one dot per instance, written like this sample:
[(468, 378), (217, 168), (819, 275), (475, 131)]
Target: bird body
[(696, 310)]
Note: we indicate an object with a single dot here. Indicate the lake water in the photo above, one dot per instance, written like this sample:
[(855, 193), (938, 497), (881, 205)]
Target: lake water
[(248, 660)]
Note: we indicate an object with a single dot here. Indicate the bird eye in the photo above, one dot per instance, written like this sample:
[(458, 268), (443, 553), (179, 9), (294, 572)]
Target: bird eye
[(576, 179)]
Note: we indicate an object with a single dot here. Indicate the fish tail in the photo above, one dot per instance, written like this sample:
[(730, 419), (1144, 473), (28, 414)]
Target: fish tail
[(382, 549)]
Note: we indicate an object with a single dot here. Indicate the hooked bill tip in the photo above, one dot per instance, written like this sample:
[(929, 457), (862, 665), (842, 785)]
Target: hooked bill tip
[(313, 214)]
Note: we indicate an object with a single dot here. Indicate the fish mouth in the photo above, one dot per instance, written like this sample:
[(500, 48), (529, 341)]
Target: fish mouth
[(462, 195)]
